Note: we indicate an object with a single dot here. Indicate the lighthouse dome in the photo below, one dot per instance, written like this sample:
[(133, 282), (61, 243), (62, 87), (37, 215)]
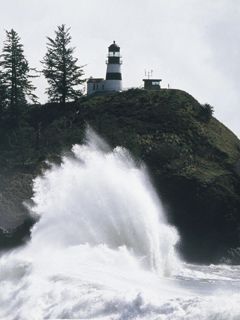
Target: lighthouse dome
[(114, 47)]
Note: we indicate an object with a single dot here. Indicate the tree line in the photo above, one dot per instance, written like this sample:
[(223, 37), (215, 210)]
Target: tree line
[(59, 66)]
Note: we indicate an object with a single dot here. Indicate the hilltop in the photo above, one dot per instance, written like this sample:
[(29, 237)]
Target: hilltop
[(193, 159)]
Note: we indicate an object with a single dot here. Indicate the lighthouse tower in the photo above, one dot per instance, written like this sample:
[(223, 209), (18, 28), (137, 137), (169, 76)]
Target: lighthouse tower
[(113, 80)]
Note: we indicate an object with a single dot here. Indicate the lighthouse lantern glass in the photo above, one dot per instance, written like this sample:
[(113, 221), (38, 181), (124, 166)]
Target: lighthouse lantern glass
[(114, 54)]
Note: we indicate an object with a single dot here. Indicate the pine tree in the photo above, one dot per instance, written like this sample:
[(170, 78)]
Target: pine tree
[(15, 73), (60, 68), (3, 94)]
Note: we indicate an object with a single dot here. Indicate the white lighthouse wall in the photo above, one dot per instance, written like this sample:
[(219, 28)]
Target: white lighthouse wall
[(113, 85), (113, 68)]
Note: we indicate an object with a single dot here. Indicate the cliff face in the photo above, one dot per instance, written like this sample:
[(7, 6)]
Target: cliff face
[(193, 159)]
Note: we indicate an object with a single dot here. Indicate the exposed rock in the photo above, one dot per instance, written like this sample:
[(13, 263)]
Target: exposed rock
[(192, 157)]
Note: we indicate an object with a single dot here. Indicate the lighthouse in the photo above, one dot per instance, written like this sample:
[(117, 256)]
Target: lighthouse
[(113, 81), (113, 76)]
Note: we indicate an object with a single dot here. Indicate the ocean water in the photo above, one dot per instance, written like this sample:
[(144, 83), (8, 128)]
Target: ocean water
[(103, 249)]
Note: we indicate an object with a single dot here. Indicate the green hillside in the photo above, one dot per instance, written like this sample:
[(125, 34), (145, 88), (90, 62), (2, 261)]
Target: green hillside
[(194, 161)]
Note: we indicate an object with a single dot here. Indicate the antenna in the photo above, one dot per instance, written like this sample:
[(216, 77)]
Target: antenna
[(148, 73)]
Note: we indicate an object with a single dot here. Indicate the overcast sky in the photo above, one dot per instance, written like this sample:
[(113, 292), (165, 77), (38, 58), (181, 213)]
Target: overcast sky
[(193, 45)]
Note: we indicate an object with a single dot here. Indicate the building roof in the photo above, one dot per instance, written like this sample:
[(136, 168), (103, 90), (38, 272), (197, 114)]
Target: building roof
[(152, 80), (94, 80), (114, 47)]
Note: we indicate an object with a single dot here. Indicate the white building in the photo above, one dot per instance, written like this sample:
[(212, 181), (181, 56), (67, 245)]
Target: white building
[(113, 80)]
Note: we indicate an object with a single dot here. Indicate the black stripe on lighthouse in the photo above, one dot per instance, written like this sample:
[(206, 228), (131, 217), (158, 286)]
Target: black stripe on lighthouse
[(114, 76)]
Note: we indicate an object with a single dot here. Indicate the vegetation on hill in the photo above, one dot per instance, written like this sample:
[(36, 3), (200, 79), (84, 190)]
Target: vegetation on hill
[(60, 68), (194, 161), (15, 77)]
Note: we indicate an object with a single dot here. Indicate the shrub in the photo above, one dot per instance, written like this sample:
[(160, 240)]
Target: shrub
[(206, 112)]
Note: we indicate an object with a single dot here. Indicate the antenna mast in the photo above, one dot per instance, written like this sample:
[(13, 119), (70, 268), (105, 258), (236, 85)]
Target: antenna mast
[(148, 73)]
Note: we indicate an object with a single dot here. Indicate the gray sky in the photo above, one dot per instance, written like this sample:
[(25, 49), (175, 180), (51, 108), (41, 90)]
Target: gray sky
[(193, 45)]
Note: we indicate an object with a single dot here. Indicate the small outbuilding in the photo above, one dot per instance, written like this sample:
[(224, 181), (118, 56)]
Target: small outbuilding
[(152, 84), (95, 85)]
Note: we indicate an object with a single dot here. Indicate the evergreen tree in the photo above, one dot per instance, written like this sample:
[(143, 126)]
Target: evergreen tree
[(3, 95), (60, 68), (15, 73)]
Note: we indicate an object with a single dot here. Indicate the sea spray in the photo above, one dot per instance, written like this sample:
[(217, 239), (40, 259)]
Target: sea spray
[(101, 197), (102, 249)]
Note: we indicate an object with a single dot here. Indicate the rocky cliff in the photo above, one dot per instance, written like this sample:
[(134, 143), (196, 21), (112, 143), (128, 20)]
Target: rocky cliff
[(194, 161)]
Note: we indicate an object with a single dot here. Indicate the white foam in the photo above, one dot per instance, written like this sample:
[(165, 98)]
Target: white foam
[(103, 249)]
